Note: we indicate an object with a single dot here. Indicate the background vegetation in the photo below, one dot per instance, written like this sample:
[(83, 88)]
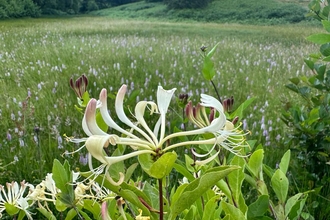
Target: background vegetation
[(252, 11), (38, 57)]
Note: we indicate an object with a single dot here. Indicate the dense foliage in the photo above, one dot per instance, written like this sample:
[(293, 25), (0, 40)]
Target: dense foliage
[(309, 121), (180, 4), (262, 11), (18, 8)]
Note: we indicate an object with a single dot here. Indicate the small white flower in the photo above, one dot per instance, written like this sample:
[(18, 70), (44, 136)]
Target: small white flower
[(13, 200)]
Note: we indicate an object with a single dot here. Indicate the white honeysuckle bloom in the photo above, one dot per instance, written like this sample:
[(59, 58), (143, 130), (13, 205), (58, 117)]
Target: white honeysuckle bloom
[(13, 201), (142, 138), (45, 191)]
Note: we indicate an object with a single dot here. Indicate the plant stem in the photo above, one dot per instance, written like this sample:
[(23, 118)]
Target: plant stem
[(160, 189), (216, 90)]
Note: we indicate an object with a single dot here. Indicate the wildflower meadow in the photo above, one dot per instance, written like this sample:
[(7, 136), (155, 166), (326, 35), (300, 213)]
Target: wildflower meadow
[(117, 119)]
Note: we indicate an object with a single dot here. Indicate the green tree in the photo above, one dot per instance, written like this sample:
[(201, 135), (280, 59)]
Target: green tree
[(18, 8)]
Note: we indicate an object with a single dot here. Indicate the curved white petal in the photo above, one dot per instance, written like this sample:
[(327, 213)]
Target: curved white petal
[(164, 98), (203, 155), (202, 162), (107, 118), (95, 145), (119, 106), (90, 119), (210, 101), (139, 114), (216, 125)]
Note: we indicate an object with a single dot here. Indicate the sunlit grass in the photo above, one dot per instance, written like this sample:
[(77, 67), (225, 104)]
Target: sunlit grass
[(38, 57)]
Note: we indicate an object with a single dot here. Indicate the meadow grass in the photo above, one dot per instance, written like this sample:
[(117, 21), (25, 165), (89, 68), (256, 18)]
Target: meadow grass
[(38, 57)]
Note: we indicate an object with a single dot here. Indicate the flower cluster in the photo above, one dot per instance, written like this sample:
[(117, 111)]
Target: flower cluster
[(145, 139), (15, 200)]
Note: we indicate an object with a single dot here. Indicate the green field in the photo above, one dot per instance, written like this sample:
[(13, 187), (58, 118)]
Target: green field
[(38, 57)]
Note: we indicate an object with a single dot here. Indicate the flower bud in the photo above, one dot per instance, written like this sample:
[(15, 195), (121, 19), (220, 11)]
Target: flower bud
[(79, 86)]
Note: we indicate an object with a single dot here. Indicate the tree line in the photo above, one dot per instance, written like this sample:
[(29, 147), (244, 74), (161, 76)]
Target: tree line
[(34, 8)]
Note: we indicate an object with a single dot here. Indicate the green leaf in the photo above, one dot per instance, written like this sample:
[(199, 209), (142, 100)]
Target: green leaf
[(191, 214), (130, 170), (268, 170), (292, 201), (84, 99), (297, 208), (279, 211), (258, 208), (208, 68), (240, 110), (325, 49), (118, 167), (228, 217), (235, 180), (21, 215), (183, 170), (84, 215), (47, 214), (234, 212), (309, 63), (295, 80), (280, 185), (10, 208), (161, 167), (93, 207), (326, 58), (284, 164), (212, 51), (189, 162), (210, 208), (71, 214), (176, 196), (255, 163), (100, 122), (326, 25), (153, 194), (319, 38), (292, 87), (60, 206), (60, 177), (128, 192), (250, 180), (223, 186), (198, 187)]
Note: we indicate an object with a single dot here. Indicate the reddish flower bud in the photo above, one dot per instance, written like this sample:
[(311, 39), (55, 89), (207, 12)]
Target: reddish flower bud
[(80, 85)]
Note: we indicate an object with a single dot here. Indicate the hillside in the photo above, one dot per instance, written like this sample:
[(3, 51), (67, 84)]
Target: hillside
[(249, 11)]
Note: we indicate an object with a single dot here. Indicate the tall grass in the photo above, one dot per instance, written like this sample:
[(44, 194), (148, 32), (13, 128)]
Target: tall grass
[(38, 57)]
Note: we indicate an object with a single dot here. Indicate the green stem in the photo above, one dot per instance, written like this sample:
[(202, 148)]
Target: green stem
[(161, 207), (216, 90)]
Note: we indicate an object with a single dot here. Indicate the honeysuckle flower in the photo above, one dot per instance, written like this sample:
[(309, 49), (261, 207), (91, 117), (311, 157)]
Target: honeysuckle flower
[(14, 200), (142, 138), (45, 192), (229, 137)]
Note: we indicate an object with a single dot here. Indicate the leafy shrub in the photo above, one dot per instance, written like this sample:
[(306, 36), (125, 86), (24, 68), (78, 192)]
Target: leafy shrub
[(153, 0), (309, 121), (181, 4), (18, 8)]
